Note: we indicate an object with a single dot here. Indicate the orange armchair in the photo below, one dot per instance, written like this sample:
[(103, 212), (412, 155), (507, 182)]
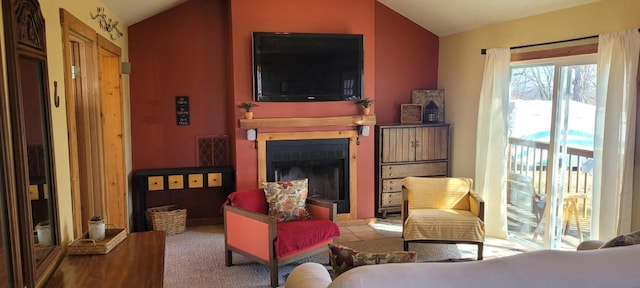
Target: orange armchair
[(249, 231)]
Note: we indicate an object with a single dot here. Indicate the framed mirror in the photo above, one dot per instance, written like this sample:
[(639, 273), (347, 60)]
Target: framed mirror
[(37, 146), (31, 195)]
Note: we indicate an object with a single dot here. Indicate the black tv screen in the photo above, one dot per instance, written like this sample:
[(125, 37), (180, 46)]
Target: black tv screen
[(295, 67)]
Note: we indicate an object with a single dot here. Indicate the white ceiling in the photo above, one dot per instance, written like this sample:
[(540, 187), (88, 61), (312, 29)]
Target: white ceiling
[(447, 17), (134, 11), (442, 17)]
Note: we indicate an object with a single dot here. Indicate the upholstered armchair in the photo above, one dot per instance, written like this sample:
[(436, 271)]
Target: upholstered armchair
[(249, 231), (442, 210)]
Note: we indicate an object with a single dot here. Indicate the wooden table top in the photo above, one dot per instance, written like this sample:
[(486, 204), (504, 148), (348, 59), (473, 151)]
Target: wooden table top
[(136, 262)]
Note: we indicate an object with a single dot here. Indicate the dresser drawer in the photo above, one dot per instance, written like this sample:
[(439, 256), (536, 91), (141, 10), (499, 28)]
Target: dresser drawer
[(155, 183), (176, 181), (391, 199), (195, 181), (392, 185), (214, 179), (422, 169)]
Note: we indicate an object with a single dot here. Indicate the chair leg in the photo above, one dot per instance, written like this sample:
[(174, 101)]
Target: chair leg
[(273, 273), (480, 248), (228, 258)]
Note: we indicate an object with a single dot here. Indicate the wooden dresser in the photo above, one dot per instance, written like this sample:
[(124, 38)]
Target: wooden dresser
[(407, 150), (136, 262)]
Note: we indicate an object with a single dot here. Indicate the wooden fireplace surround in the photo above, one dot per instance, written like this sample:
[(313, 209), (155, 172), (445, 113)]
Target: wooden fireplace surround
[(287, 122), (352, 135)]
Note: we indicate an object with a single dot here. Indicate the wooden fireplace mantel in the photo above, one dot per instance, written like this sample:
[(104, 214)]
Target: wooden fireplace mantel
[(281, 122)]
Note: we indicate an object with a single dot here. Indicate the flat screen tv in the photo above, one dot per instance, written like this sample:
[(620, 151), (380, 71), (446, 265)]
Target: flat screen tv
[(297, 67)]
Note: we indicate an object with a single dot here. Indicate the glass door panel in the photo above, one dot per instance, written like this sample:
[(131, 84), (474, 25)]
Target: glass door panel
[(530, 115), (551, 120), (570, 212)]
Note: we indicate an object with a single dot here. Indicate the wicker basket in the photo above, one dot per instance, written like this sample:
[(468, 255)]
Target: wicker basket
[(170, 219)]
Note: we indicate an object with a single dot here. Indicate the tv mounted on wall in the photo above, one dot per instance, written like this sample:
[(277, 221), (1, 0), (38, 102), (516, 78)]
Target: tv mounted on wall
[(297, 67)]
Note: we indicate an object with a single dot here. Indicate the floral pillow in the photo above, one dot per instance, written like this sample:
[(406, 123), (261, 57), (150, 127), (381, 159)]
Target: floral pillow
[(287, 199), (343, 258)]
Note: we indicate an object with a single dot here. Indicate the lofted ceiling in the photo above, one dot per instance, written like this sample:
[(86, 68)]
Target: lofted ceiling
[(442, 17)]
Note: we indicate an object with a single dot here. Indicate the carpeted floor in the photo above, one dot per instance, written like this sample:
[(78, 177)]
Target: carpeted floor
[(196, 259)]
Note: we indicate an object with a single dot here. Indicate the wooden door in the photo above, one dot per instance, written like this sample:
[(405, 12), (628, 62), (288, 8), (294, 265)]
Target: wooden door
[(112, 128), (85, 136), (398, 144), (95, 126), (431, 143)]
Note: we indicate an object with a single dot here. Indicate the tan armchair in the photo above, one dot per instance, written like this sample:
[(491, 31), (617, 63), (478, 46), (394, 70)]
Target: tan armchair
[(442, 210)]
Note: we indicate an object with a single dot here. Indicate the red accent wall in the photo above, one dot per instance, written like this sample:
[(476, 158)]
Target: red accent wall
[(311, 16), (187, 51), (406, 59), (179, 52)]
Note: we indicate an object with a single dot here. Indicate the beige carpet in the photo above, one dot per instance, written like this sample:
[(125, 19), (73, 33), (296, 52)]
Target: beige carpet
[(196, 259)]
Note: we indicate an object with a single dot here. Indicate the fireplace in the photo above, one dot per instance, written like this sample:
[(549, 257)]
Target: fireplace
[(325, 162)]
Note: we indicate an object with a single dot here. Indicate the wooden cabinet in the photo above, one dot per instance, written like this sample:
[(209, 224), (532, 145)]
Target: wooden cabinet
[(407, 150), (201, 190)]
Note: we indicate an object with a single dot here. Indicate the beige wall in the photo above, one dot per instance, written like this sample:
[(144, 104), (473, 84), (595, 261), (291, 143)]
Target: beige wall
[(461, 64), (81, 10)]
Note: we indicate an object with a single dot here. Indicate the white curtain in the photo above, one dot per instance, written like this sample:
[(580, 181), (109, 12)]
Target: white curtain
[(491, 142), (615, 133)]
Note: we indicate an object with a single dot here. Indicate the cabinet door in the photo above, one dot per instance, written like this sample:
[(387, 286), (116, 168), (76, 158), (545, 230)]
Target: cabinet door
[(398, 144), (431, 143)]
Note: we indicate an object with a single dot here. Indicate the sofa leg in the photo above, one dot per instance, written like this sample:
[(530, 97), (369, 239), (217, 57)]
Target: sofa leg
[(480, 248), (273, 273), (405, 245), (228, 260)]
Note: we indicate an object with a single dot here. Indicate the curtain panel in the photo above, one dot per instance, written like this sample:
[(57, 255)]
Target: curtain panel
[(491, 140), (615, 133)]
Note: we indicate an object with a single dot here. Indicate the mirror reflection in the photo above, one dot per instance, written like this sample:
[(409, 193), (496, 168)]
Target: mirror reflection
[(32, 86)]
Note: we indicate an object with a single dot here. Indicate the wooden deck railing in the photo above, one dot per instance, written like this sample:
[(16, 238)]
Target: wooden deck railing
[(530, 158)]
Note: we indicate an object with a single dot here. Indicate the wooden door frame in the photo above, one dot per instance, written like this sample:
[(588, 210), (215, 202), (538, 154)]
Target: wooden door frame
[(74, 29)]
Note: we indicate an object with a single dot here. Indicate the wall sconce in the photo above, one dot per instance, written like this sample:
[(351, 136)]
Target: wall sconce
[(107, 24)]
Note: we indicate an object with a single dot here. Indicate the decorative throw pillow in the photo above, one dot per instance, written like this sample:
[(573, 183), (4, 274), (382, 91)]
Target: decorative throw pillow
[(343, 258), (623, 240), (251, 200), (287, 199)]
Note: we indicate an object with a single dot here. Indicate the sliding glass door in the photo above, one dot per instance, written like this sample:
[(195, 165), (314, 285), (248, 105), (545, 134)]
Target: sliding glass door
[(551, 128)]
